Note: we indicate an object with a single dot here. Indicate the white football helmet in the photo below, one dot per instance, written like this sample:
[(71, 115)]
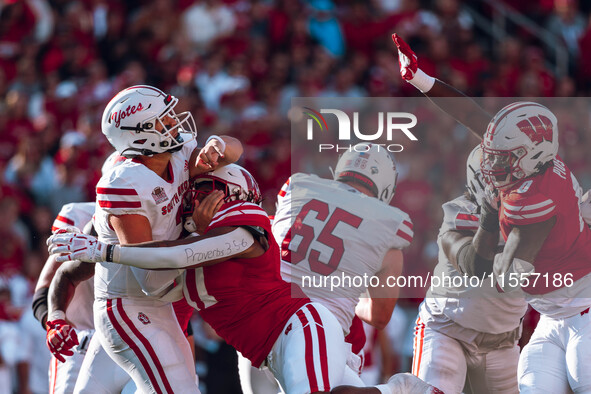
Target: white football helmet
[(373, 167), (132, 120), (234, 180), (474, 179), (519, 140)]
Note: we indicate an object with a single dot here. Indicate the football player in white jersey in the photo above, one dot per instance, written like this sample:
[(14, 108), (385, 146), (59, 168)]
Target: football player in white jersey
[(139, 201), (466, 336), (546, 255)]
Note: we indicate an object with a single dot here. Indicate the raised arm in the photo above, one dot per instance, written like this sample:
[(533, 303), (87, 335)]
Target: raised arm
[(217, 152), (462, 108)]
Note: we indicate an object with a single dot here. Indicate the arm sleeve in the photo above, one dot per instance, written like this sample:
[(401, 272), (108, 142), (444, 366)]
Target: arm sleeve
[(195, 253)]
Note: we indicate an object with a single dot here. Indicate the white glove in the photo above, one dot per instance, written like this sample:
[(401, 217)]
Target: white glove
[(76, 246), (407, 383), (585, 206)]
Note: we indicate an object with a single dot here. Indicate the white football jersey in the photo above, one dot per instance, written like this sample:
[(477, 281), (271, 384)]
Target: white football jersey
[(329, 231), (132, 188), (481, 308), (79, 310)]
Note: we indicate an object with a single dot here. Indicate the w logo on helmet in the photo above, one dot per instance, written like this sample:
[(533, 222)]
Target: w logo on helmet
[(537, 128)]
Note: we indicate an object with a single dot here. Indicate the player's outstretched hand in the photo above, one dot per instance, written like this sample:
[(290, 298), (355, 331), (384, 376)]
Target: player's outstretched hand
[(406, 58), (76, 246), (409, 69), (61, 338)]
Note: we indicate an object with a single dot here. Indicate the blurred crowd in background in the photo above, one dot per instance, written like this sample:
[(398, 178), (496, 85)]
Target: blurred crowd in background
[(236, 64)]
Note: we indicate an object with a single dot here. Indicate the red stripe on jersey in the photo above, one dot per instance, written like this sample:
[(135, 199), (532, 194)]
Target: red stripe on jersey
[(147, 345), (465, 216), (322, 342), (119, 204), (192, 287), (309, 352), (466, 227), (404, 235), (282, 193), (131, 344), (64, 219), (408, 223), (116, 191), (54, 229)]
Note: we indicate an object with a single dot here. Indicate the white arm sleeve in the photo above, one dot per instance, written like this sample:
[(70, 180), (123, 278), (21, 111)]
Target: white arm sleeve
[(182, 256)]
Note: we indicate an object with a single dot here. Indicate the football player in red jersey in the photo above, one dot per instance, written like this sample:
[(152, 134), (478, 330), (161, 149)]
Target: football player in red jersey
[(233, 280), (547, 244)]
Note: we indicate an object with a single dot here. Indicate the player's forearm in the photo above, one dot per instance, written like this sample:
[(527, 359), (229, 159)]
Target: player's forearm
[(376, 312), (64, 283), (158, 255), (233, 150)]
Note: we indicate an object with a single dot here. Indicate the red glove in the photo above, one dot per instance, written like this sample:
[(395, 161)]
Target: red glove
[(409, 69), (61, 338), (406, 58)]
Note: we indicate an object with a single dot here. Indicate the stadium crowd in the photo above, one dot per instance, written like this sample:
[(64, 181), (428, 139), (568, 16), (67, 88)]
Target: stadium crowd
[(236, 64)]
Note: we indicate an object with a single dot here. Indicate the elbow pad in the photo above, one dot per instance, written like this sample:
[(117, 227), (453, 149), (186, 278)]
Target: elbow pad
[(471, 263)]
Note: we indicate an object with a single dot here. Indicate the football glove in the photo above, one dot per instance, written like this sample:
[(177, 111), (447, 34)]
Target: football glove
[(409, 69), (76, 246), (61, 338)]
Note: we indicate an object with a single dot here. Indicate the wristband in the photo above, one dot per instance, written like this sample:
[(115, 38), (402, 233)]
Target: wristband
[(422, 81), (56, 315), (219, 139), (110, 249)]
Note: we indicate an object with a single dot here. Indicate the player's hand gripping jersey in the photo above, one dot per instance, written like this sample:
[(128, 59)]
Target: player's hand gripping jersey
[(479, 308), (132, 188), (244, 300), (327, 228)]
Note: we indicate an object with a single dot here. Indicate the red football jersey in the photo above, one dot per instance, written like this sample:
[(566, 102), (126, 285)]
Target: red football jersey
[(567, 249), (244, 300)]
